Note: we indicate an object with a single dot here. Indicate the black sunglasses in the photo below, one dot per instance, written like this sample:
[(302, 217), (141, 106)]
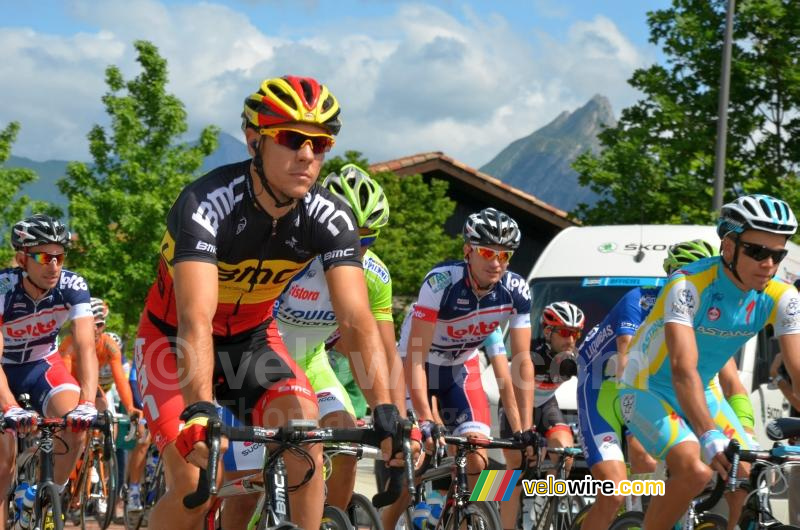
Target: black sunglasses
[(760, 252)]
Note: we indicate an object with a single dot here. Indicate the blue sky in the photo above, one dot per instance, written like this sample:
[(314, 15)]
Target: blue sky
[(463, 77)]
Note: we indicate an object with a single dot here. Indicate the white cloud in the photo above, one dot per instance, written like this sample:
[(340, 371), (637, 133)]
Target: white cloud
[(418, 80)]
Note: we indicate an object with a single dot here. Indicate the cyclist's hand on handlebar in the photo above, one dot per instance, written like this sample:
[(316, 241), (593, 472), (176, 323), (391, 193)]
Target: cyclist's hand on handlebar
[(81, 417), (530, 439), (191, 440), (713, 443), (21, 420), (385, 422)]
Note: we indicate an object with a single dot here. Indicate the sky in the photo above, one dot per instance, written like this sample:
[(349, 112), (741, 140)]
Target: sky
[(463, 77)]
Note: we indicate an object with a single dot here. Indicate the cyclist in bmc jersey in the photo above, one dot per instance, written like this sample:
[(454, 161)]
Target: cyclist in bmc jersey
[(601, 359), (36, 299), (234, 239), (553, 357), (109, 361), (460, 304), (706, 311)]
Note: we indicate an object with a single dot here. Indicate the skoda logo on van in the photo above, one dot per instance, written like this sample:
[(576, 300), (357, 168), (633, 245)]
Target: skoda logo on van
[(605, 248)]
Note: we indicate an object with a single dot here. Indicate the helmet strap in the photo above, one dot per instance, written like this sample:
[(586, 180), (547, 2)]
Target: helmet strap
[(474, 282), (731, 265), (40, 290), (259, 165)]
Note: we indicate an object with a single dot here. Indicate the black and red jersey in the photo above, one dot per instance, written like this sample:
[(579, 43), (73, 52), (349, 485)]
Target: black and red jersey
[(216, 220)]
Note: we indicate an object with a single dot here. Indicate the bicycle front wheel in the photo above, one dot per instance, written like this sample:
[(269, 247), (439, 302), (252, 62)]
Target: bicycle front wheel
[(711, 521), (47, 508), (628, 521), (362, 513), (334, 518), (474, 516), (99, 494)]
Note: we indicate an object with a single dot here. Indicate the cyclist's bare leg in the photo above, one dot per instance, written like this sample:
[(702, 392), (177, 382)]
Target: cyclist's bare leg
[(736, 499), (237, 511), (8, 456), (181, 479), (306, 503), (59, 405), (136, 460), (343, 477), (605, 507), (641, 461), (509, 511), (688, 475), (558, 437)]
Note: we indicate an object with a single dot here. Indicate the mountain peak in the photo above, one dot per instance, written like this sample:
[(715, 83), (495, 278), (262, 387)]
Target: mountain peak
[(541, 163)]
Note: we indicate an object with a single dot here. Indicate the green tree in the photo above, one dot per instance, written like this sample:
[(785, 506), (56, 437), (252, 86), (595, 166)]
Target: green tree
[(16, 206), (417, 213), (118, 206), (657, 163)]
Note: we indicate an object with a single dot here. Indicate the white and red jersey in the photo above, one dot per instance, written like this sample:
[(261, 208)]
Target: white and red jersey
[(30, 327), (463, 321)]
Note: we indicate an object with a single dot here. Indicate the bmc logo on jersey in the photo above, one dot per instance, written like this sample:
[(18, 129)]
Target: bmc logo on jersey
[(339, 253), (74, 282), (218, 204), (326, 212), (39, 329), (484, 328), (202, 245)]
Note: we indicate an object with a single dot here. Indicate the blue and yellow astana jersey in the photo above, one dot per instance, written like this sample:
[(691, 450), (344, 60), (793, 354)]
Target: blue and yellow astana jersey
[(723, 317)]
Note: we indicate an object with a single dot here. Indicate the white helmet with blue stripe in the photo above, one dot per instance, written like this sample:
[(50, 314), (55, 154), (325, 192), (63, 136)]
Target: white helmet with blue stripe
[(756, 212)]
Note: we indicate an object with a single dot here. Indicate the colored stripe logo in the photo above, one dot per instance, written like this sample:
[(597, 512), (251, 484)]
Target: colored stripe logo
[(495, 485)]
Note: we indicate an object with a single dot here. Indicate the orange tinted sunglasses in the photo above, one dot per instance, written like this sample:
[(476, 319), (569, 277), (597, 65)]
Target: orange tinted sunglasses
[(489, 254), (567, 332), (294, 139)]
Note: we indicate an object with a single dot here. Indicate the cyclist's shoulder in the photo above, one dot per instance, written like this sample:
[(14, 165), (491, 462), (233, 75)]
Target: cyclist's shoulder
[(107, 349), (776, 288), (9, 279), (214, 193), (71, 284), (375, 267)]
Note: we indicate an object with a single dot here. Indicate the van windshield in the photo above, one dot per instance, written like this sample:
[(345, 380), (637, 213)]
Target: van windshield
[(594, 295)]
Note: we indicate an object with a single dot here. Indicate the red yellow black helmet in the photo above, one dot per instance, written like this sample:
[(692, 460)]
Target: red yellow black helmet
[(292, 99)]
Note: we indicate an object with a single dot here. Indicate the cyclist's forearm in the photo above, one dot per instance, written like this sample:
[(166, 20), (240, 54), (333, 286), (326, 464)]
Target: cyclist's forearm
[(691, 397), (417, 383), (195, 359), (87, 376), (523, 390), (396, 377)]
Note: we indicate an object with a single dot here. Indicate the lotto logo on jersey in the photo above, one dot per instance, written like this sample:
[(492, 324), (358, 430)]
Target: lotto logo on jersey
[(39, 329), (484, 328), (74, 282)]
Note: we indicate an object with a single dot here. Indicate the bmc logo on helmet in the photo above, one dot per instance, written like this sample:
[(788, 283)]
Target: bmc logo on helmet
[(484, 328)]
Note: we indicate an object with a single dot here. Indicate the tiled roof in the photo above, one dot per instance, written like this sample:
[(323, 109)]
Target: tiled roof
[(424, 162)]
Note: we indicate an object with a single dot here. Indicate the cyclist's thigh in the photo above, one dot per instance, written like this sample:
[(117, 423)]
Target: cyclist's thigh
[(551, 422), (265, 372), (331, 394), (43, 380), (599, 426), (157, 372), (463, 405), (654, 422)]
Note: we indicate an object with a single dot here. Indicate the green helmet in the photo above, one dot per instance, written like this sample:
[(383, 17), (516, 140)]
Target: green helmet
[(687, 252), (364, 195)]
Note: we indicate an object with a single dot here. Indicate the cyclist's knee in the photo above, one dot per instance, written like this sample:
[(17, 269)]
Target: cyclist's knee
[(287, 407), (686, 468)]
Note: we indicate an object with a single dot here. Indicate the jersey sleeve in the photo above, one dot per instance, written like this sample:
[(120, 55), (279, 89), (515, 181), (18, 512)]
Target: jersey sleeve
[(76, 295), (681, 300), (379, 287), (430, 296), (493, 345), (786, 317), (193, 225), (521, 295), (333, 229), (628, 313)]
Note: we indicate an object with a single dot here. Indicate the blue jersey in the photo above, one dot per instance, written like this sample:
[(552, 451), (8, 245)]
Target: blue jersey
[(724, 317), (462, 320), (30, 327), (600, 344)]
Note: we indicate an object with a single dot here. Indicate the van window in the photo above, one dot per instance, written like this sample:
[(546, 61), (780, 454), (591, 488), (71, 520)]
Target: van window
[(595, 301), (768, 347)]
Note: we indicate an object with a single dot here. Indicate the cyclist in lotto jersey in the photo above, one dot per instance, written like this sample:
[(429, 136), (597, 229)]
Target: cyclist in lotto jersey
[(460, 304), (706, 311), (234, 239), (36, 299), (601, 359), (109, 361)]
